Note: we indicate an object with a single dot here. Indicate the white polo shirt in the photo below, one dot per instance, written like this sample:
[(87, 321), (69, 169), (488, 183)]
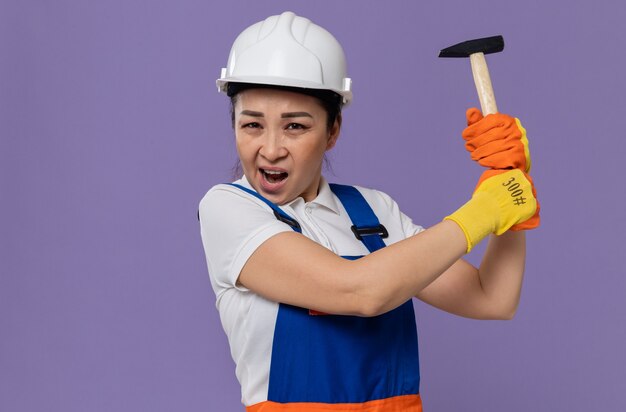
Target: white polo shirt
[(234, 224)]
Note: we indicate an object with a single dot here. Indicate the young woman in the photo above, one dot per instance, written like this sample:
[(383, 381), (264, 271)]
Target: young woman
[(314, 281)]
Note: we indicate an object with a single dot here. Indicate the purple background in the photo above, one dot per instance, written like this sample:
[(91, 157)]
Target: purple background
[(111, 131)]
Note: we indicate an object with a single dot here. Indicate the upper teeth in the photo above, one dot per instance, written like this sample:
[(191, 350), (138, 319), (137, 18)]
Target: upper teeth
[(272, 172)]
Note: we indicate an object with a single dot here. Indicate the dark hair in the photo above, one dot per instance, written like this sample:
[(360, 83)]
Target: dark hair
[(330, 101)]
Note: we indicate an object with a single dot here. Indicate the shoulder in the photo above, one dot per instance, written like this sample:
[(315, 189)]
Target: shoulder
[(226, 198), (388, 211), (378, 200), (381, 203), (225, 194), (227, 212)]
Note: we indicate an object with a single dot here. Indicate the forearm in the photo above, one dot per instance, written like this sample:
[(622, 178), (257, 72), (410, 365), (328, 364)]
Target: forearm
[(392, 275), (501, 272)]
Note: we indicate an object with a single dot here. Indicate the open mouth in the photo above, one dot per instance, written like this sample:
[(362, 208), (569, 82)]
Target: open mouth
[(273, 176)]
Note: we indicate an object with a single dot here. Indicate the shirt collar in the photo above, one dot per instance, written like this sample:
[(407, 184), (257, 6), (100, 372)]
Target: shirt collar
[(324, 198)]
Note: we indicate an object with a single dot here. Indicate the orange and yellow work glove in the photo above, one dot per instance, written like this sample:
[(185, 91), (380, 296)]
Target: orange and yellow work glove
[(529, 224), (502, 199), (497, 141)]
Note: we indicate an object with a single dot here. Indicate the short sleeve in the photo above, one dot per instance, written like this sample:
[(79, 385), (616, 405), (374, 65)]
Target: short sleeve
[(410, 228), (233, 224)]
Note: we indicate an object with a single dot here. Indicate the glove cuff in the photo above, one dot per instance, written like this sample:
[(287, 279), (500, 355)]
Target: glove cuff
[(476, 219)]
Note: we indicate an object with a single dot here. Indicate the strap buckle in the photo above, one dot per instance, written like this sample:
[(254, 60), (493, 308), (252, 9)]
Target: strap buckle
[(291, 222), (359, 232)]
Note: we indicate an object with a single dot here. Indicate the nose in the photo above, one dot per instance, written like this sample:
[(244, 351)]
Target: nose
[(273, 147)]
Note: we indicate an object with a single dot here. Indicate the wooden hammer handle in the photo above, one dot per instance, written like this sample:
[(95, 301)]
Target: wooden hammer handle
[(483, 84)]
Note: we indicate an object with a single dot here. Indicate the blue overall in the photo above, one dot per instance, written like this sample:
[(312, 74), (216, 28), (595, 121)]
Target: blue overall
[(337, 358)]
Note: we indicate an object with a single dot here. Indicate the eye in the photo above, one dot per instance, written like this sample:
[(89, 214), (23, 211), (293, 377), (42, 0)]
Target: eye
[(250, 125), (296, 126)]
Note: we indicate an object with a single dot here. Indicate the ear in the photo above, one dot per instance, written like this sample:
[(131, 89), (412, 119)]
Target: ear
[(333, 133)]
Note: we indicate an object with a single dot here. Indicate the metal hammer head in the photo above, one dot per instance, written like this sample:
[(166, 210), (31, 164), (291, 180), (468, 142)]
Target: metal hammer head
[(485, 45)]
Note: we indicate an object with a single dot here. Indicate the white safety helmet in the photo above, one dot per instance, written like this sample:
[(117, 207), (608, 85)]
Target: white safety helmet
[(287, 50)]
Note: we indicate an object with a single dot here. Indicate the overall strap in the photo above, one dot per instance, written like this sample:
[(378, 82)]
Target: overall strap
[(366, 226), (278, 212)]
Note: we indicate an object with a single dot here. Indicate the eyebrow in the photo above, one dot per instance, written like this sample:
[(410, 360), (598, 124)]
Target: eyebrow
[(251, 113), (295, 114), (284, 115)]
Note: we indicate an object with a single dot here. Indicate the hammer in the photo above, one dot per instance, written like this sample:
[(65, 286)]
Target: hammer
[(476, 50)]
